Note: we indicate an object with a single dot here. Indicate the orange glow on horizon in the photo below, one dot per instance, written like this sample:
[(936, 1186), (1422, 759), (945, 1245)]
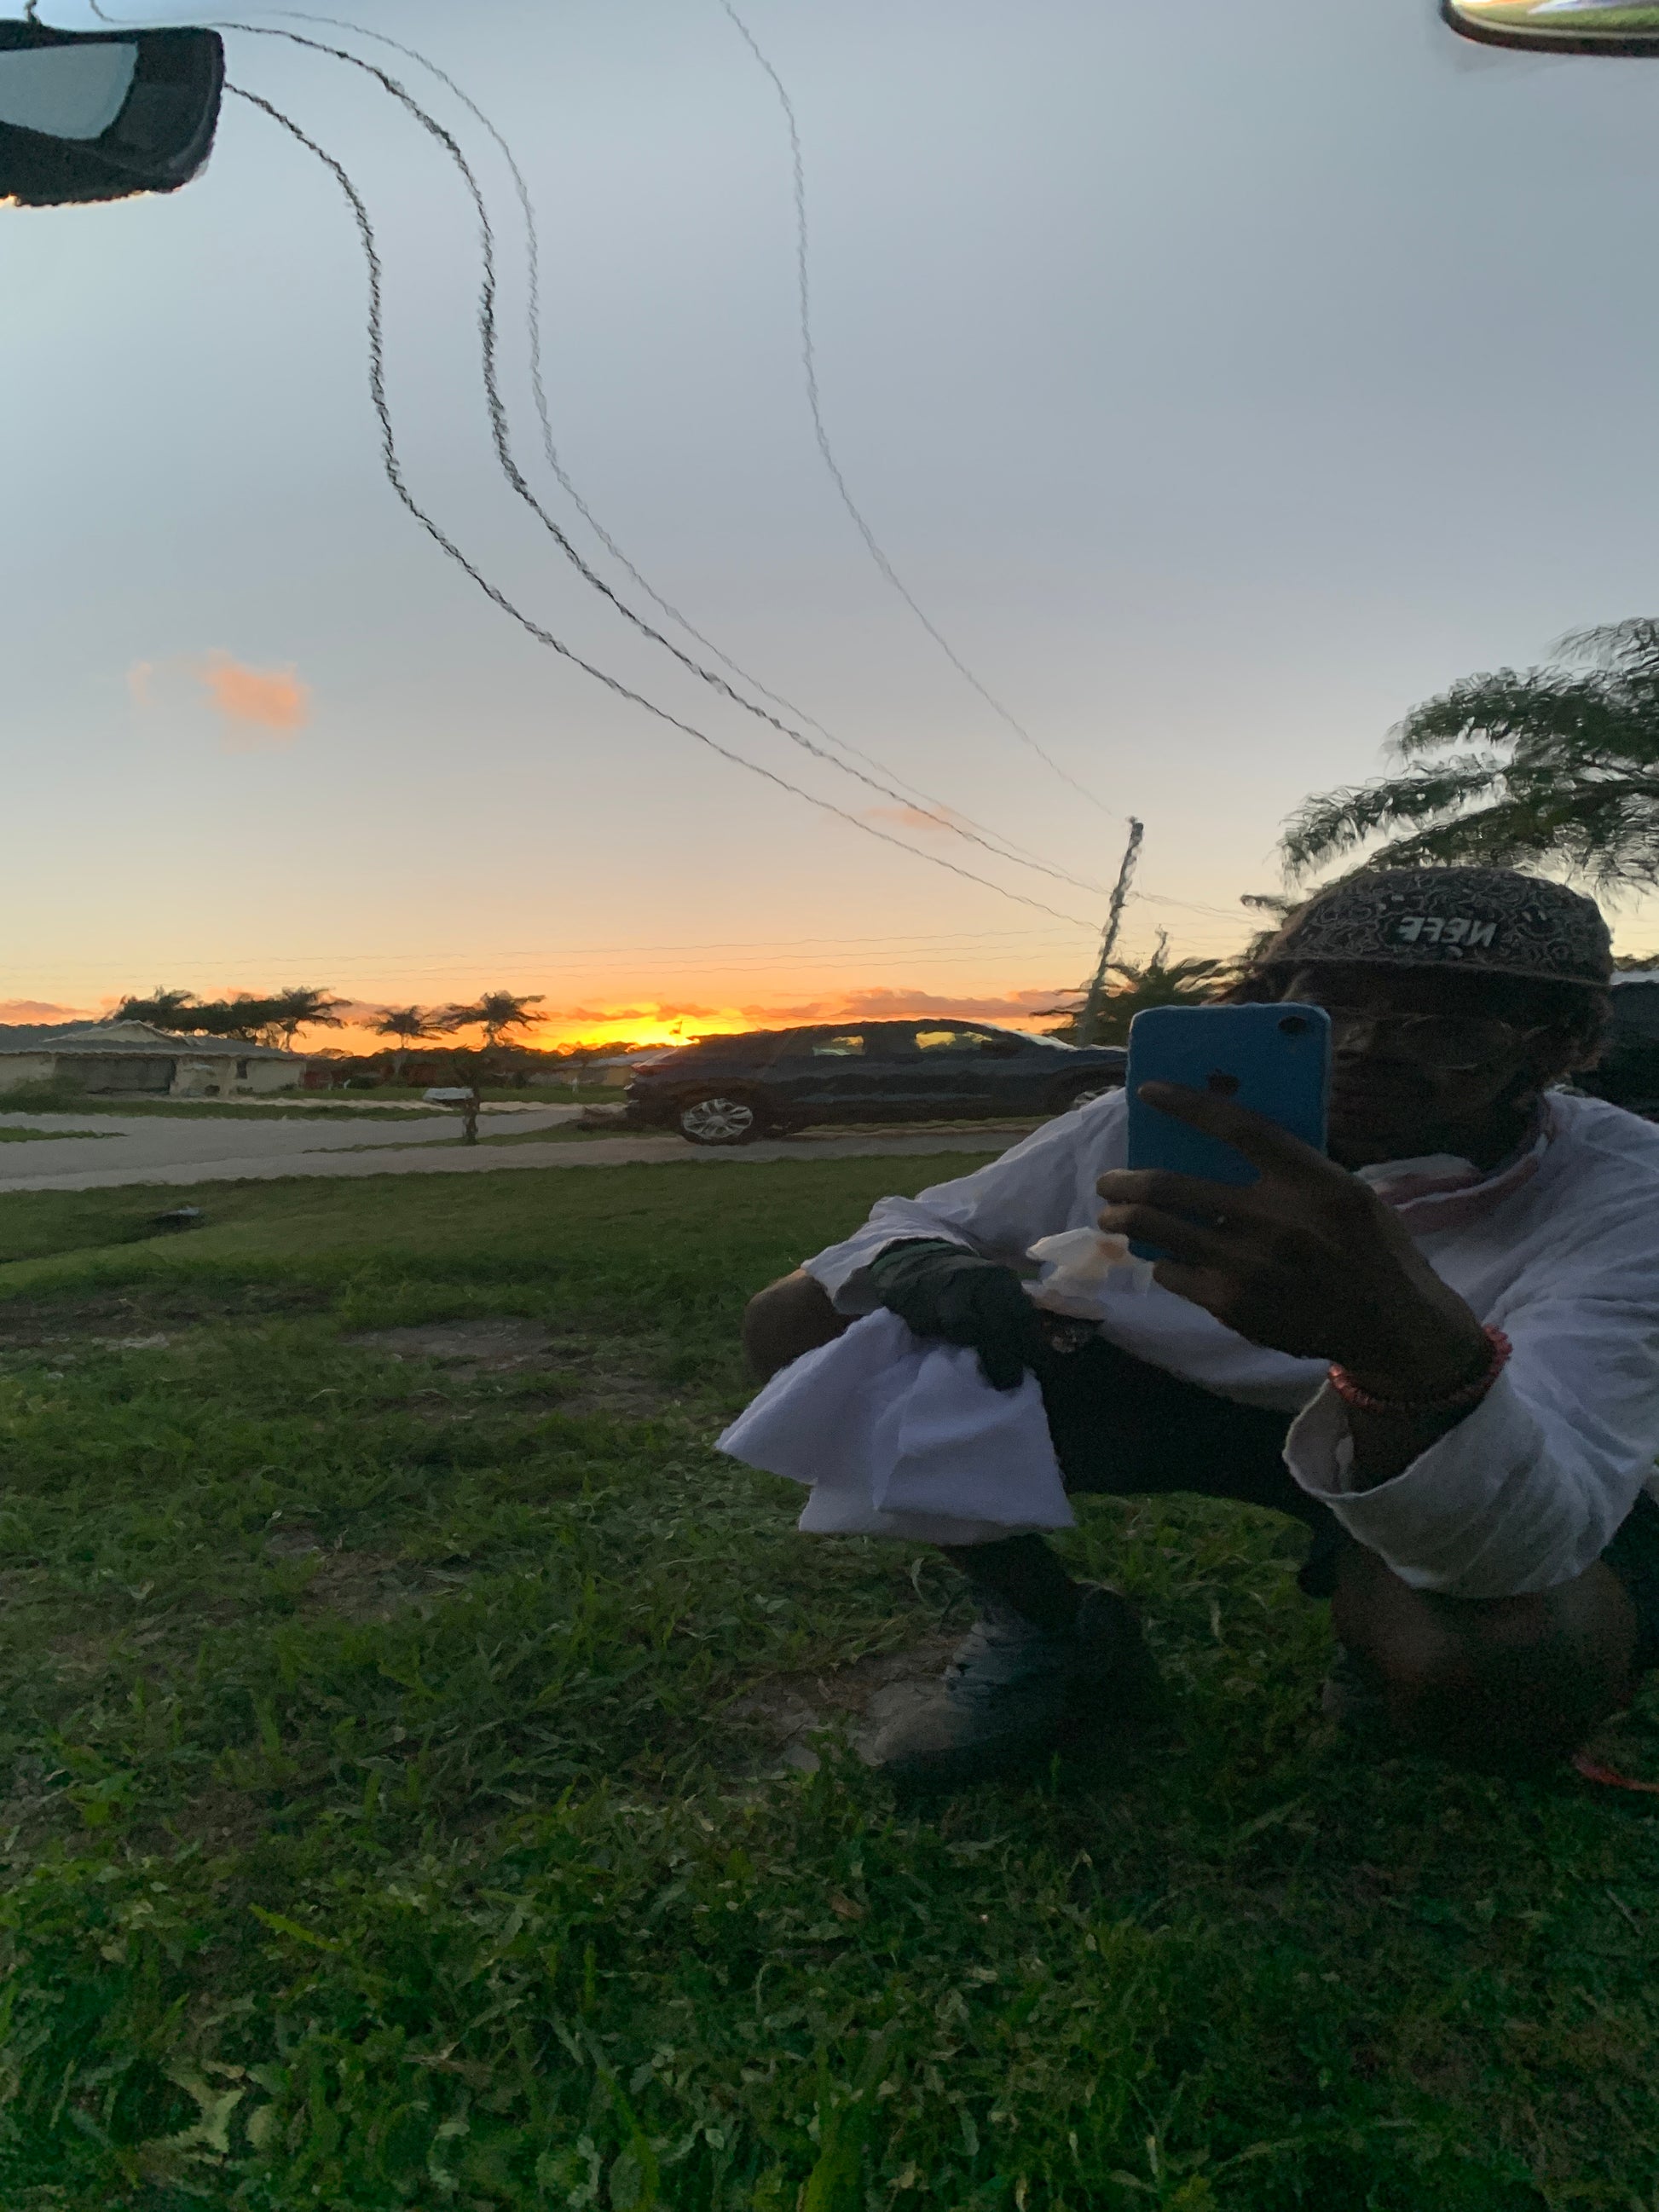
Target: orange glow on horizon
[(648, 1026), (647, 1029)]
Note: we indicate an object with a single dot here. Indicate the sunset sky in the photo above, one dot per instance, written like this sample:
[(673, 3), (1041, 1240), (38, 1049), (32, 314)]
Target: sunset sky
[(1221, 381)]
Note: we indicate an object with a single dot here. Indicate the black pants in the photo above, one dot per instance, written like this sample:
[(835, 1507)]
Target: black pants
[(1125, 1430)]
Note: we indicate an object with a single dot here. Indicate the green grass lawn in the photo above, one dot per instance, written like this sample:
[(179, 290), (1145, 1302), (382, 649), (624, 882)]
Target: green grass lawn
[(380, 1831), (39, 1136), (561, 1133), (48, 1098), (493, 1132)]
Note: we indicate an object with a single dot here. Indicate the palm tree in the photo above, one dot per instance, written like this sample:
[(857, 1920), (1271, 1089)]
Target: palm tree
[(163, 1008), (244, 1016), (1557, 765), (1159, 981), (182, 1011), (303, 1006), (496, 1013), (411, 1026)]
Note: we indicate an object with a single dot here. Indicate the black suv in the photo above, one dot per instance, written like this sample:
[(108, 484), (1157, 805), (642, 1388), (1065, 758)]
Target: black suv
[(730, 1089)]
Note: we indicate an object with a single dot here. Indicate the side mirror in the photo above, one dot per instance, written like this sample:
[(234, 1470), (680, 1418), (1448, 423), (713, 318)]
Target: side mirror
[(1559, 26), (105, 115)]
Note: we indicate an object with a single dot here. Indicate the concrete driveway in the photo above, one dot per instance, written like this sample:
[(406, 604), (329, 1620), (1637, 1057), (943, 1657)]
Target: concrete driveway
[(158, 1149)]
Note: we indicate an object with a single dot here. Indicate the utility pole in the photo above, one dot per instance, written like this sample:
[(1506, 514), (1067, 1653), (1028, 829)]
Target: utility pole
[(1093, 1006)]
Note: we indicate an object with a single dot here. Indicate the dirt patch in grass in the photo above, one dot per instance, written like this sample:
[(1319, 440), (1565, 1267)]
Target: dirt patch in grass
[(601, 1385), (220, 1819), (139, 1320), (361, 1586), (31, 1810), (782, 1713), (86, 1652), (494, 1346), (584, 1374)]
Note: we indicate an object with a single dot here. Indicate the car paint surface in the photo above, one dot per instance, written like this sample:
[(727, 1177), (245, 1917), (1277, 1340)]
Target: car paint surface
[(941, 1068)]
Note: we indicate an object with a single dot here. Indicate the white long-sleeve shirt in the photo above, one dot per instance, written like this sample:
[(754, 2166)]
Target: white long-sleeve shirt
[(1559, 1248)]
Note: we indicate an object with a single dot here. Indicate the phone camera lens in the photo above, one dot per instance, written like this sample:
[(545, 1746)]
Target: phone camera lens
[(1294, 1025)]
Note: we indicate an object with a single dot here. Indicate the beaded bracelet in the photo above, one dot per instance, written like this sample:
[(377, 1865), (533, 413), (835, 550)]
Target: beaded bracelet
[(1446, 1402)]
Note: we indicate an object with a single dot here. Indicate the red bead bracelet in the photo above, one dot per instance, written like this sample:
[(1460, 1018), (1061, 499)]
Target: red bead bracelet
[(1446, 1402)]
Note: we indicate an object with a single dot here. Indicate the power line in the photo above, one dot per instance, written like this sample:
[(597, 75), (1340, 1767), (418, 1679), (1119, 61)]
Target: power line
[(500, 438), (950, 816), (381, 967), (493, 591), (814, 400), (1189, 906), (823, 974), (918, 943), (787, 953), (971, 944)]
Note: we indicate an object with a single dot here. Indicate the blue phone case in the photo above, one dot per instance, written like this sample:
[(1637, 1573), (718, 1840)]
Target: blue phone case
[(1274, 1060)]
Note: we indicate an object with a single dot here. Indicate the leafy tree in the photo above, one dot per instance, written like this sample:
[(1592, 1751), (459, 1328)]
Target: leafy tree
[(164, 1010), (244, 1016), (274, 1019), (303, 1006), (471, 1068), (1553, 766), (409, 1026), (186, 1015), (1159, 981), (496, 1013)]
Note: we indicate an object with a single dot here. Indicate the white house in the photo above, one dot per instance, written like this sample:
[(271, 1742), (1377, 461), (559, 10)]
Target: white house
[(132, 1056)]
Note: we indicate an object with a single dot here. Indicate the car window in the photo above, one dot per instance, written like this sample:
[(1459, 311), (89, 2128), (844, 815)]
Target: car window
[(936, 1041)]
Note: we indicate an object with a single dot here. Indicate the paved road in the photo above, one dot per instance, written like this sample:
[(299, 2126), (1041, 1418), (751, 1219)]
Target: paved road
[(157, 1149), (166, 1148)]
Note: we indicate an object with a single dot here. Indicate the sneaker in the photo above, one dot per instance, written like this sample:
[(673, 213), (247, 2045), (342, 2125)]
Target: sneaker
[(1014, 1695)]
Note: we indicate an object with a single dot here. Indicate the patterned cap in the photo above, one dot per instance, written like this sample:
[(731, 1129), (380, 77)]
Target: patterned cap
[(1496, 920)]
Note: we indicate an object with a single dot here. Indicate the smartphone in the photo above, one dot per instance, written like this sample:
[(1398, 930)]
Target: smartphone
[(1274, 1060)]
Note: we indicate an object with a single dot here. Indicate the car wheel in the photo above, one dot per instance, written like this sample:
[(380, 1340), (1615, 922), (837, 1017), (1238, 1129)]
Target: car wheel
[(719, 1121)]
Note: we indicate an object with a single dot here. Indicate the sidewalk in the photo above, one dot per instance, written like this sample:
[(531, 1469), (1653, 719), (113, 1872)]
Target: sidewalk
[(132, 1150)]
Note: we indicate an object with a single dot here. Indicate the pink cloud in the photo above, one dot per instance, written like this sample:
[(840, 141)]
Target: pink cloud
[(272, 700), (883, 1002), (39, 1009), (257, 707), (817, 1011), (887, 1004), (665, 1012)]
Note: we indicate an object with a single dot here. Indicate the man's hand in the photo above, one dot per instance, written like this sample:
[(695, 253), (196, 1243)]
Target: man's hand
[(941, 1289), (1307, 1259)]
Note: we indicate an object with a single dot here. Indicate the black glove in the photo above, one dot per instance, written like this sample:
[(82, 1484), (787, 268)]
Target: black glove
[(939, 1290)]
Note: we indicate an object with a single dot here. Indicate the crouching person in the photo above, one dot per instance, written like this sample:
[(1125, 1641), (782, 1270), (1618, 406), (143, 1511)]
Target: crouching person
[(1438, 1347)]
